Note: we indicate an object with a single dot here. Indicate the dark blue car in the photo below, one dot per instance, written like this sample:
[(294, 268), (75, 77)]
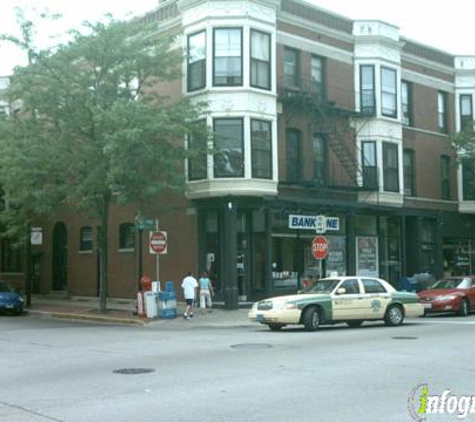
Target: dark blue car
[(10, 300)]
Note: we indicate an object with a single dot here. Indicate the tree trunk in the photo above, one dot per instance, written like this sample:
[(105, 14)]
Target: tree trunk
[(103, 232)]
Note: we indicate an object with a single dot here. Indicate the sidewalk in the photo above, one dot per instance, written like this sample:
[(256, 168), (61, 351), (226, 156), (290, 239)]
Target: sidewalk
[(123, 311)]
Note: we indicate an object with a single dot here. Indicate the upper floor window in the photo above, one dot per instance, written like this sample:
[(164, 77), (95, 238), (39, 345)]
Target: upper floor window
[(127, 236), (466, 110), (227, 57), (468, 179), (196, 61), (229, 162), (197, 159), (445, 176), (291, 67), (261, 144), (317, 78), (367, 100), (388, 92), (260, 59), (293, 155), (390, 167), (85, 239), (406, 103), (319, 159), (442, 111), (409, 173), (369, 164)]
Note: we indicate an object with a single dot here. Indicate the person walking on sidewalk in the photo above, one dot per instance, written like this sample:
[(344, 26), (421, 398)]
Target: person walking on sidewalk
[(206, 291), (189, 286)]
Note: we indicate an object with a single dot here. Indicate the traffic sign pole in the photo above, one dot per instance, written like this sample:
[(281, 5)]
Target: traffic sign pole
[(320, 251), (158, 245)]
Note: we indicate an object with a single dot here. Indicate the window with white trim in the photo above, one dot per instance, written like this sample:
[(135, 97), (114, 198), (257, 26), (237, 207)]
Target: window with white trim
[(367, 90), (227, 67), (260, 60), (388, 92), (261, 149), (229, 161), (196, 61)]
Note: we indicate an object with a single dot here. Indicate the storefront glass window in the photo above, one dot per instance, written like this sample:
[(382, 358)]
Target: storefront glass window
[(390, 249), (284, 266)]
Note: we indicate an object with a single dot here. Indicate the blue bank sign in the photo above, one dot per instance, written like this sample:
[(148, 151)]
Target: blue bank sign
[(320, 223)]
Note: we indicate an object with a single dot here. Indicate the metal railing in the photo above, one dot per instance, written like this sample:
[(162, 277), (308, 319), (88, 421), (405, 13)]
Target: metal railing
[(309, 173)]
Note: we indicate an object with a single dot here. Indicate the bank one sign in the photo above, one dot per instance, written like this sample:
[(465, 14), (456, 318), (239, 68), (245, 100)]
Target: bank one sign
[(319, 223)]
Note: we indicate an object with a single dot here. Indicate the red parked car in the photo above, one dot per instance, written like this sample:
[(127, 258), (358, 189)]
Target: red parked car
[(451, 294)]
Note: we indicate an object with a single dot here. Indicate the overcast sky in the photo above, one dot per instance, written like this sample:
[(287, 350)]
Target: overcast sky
[(444, 25)]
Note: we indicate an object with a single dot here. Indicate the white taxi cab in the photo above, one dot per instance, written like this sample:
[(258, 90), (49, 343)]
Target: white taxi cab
[(351, 299)]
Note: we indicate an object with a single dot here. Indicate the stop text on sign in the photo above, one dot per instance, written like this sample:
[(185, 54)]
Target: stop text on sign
[(320, 247)]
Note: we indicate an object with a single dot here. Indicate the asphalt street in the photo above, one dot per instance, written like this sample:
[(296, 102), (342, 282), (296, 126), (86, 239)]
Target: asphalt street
[(56, 370)]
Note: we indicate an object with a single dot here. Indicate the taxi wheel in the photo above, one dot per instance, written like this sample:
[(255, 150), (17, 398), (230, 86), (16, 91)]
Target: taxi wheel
[(394, 316), (463, 310), (275, 327), (311, 319)]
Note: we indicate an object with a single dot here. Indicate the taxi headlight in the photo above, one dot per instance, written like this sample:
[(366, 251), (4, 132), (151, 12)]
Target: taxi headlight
[(279, 306)]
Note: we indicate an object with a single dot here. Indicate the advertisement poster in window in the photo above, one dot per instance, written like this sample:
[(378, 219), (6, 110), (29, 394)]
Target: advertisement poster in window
[(336, 260), (367, 256)]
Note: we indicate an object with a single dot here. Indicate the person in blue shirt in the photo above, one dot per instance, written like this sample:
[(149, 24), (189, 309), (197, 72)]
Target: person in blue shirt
[(206, 291)]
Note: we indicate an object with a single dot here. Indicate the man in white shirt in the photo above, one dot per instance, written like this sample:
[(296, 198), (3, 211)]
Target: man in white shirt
[(189, 286)]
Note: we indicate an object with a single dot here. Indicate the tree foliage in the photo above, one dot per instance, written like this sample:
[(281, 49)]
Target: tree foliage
[(464, 142), (93, 129)]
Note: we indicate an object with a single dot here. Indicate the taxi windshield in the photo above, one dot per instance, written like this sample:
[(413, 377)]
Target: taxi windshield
[(322, 286)]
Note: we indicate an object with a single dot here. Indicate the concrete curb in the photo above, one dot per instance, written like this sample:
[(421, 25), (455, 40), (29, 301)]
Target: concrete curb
[(94, 318)]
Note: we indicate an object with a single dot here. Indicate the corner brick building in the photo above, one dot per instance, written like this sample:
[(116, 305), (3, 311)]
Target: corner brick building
[(317, 115)]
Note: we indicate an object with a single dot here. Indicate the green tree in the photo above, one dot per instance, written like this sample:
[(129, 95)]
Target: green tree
[(93, 129), (464, 143)]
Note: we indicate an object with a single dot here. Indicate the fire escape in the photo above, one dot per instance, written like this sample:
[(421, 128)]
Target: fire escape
[(331, 115)]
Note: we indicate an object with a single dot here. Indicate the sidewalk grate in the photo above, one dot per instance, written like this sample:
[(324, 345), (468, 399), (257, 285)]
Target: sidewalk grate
[(405, 338), (251, 346), (133, 371)]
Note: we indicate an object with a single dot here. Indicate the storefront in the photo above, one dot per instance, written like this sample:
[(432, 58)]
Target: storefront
[(252, 250)]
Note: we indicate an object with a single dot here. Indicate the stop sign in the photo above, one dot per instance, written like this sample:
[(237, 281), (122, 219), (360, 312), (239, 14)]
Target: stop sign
[(320, 247), (158, 242)]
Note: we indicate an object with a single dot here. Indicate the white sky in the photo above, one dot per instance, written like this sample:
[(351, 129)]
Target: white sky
[(446, 26)]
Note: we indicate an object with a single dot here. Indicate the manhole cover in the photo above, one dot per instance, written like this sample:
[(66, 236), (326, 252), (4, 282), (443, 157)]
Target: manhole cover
[(251, 346), (133, 371), (405, 338)]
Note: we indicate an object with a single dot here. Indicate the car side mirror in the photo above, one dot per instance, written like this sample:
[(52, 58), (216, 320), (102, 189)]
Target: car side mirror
[(341, 291)]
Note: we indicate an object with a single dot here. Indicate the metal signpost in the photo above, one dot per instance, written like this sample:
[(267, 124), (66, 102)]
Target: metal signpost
[(158, 245), (142, 223)]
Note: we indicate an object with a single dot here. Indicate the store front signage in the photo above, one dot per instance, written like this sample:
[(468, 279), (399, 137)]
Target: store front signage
[(311, 222)]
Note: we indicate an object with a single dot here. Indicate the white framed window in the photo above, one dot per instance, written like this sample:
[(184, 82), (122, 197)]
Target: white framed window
[(260, 59)]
